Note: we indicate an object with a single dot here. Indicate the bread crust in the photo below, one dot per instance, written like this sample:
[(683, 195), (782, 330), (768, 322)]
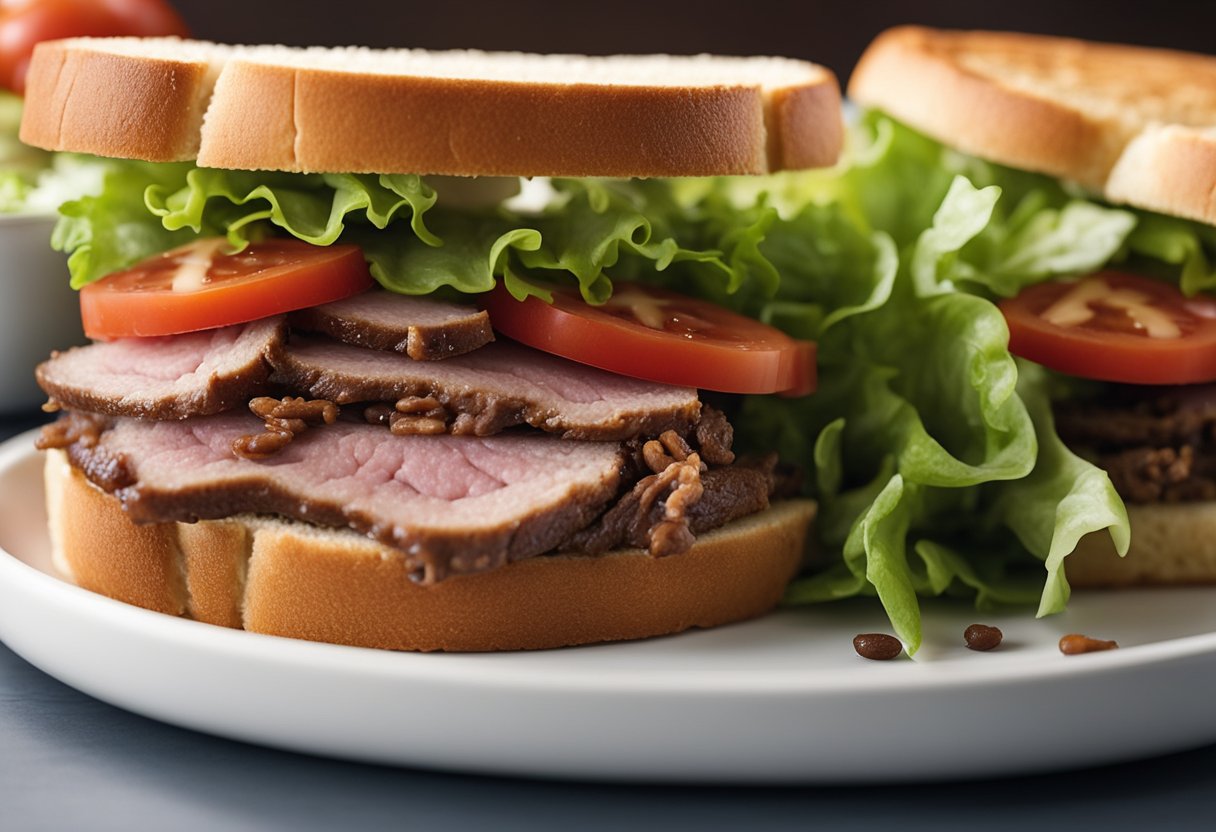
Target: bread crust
[(915, 75), (294, 580), (1089, 113), (1171, 170), (265, 116), (120, 106), (1172, 544)]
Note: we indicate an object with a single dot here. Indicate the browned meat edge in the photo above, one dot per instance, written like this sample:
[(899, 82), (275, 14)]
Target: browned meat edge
[(478, 412), (223, 392), (420, 342)]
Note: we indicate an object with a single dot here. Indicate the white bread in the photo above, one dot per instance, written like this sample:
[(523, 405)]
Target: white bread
[(410, 111), (1124, 122), (1169, 169), (290, 579), (1173, 544)]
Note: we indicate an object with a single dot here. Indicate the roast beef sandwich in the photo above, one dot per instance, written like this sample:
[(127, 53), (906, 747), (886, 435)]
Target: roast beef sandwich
[(1078, 179), (424, 351)]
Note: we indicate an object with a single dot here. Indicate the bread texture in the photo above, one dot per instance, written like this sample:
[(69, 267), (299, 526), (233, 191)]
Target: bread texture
[(410, 111), (1173, 544), (1124, 122), (291, 579)]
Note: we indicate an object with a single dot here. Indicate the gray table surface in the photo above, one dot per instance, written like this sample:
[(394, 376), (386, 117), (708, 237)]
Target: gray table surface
[(68, 761)]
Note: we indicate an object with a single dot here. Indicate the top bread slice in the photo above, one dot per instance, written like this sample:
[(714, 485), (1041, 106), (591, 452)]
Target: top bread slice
[(462, 113), (1131, 124)]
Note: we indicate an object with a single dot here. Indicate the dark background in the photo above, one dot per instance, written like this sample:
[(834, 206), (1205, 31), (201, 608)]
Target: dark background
[(832, 33)]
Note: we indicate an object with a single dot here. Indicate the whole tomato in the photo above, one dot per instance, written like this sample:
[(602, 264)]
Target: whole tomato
[(25, 23)]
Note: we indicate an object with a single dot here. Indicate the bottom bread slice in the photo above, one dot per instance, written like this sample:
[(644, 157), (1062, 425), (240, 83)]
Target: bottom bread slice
[(1173, 544), (292, 579)]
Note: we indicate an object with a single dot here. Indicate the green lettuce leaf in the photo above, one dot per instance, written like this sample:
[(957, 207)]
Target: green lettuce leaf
[(312, 208), (472, 255), (964, 213), (1176, 249), (1063, 499), (928, 390), (1044, 242), (596, 224), (593, 231), (112, 229)]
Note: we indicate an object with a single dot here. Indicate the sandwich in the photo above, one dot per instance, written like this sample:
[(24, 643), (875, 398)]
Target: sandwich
[(1077, 181), (427, 351)]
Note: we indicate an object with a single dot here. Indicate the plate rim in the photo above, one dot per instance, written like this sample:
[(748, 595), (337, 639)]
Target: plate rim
[(471, 669)]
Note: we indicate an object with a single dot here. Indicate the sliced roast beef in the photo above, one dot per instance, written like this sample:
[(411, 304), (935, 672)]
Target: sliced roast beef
[(172, 377), (452, 504), (498, 386), (423, 329)]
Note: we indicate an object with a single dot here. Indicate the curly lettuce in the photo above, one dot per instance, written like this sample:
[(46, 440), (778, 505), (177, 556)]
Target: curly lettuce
[(590, 230)]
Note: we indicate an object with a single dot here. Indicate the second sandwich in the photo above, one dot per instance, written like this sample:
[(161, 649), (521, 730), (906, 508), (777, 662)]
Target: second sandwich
[(301, 416), (1081, 177)]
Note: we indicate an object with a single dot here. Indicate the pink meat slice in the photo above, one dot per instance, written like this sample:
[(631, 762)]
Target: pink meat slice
[(423, 329), (498, 386), (172, 377), (451, 504)]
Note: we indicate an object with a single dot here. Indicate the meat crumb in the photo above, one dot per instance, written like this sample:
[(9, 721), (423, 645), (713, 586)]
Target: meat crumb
[(1075, 644), (284, 419), (410, 416), (677, 468)]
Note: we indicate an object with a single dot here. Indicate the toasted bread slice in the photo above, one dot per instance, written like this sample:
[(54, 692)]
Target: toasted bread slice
[(1118, 120), (1173, 544), (292, 579), (411, 111), (1170, 169)]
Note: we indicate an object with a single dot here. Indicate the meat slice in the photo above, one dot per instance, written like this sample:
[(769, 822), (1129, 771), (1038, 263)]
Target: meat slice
[(423, 329), (1158, 444), (171, 377), (498, 386), (452, 505), (1127, 416)]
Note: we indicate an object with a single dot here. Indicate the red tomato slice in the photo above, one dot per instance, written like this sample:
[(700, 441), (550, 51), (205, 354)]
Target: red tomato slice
[(661, 336), (1115, 327), (25, 23), (201, 286)]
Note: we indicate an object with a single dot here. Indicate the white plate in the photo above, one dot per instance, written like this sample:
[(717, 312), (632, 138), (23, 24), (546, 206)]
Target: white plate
[(783, 699)]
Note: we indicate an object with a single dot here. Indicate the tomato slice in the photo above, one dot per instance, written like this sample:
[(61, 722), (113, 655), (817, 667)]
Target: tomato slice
[(25, 23), (203, 286), (656, 335), (1115, 327)]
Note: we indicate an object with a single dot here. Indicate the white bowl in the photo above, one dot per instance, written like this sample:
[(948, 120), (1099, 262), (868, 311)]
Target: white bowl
[(39, 311)]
